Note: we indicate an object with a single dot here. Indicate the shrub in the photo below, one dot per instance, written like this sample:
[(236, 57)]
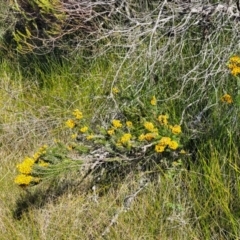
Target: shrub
[(134, 143)]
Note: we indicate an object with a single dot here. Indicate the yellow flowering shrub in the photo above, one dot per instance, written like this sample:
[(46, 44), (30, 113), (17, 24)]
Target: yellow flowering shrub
[(148, 137)]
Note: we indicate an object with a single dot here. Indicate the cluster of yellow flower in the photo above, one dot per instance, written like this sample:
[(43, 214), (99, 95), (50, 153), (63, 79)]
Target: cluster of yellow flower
[(165, 142), (73, 123), (25, 168), (227, 98), (127, 135), (234, 65)]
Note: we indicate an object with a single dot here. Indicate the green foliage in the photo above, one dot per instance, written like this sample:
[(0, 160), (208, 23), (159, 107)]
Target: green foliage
[(38, 22)]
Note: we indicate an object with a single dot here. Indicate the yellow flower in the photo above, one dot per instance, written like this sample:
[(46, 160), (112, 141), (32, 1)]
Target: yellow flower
[(235, 59), (234, 65), (115, 90), (26, 166), (23, 179), (150, 127), (116, 123), (36, 156), (226, 98), (176, 129), (77, 114), (159, 148), (129, 124), (70, 147), (235, 71), (154, 101), (141, 137), (110, 132), (163, 119), (89, 137), (70, 123), (150, 136), (125, 138), (84, 129), (40, 152), (165, 141), (173, 145), (74, 136)]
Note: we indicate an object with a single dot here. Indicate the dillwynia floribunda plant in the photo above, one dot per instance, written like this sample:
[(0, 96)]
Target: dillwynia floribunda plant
[(140, 140)]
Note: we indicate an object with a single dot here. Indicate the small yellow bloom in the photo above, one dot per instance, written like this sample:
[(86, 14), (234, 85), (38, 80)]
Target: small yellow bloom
[(154, 101), (40, 152), (234, 65), (163, 119), (70, 123), (125, 138), (89, 137), (77, 114), (36, 155), (235, 71), (84, 129), (26, 166), (150, 127), (23, 179), (111, 132), (165, 141), (115, 90), (176, 129), (173, 145), (159, 148), (150, 136), (129, 124), (235, 59), (141, 137), (116, 123), (226, 98)]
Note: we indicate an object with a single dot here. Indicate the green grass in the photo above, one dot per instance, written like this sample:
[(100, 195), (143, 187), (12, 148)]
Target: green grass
[(197, 200)]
